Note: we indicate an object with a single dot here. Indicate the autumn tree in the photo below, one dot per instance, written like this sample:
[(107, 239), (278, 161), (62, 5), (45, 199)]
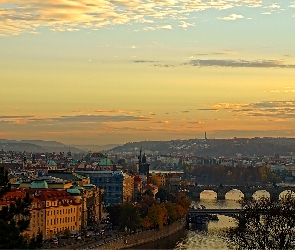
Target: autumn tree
[(172, 213), (158, 215), (155, 180), (265, 224)]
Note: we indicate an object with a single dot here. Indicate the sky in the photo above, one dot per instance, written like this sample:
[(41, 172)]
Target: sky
[(110, 72)]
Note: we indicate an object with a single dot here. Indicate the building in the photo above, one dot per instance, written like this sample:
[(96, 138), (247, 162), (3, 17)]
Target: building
[(62, 210), (91, 198), (137, 187), (118, 186), (153, 188), (37, 210), (69, 176)]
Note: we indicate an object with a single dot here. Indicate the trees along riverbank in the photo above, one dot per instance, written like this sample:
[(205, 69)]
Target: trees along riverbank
[(148, 213)]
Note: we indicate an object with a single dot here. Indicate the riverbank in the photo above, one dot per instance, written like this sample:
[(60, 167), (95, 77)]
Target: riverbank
[(145, 236), (129, 241)]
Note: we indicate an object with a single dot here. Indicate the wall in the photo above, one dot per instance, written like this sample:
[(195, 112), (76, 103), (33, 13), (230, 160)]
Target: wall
[(144, 237)]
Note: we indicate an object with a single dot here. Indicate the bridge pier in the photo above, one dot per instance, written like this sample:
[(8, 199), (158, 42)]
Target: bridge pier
[(220, 196)]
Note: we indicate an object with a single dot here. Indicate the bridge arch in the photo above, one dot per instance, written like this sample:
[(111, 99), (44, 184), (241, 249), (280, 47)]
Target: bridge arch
[(286, 192), (261, 193), (208, 194), (234, 194)]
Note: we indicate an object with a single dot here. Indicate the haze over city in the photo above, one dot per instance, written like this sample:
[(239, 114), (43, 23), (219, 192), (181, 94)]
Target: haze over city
[(102, 72)]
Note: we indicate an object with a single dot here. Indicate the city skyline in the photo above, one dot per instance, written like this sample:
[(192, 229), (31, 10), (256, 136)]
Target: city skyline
[(111, 72)]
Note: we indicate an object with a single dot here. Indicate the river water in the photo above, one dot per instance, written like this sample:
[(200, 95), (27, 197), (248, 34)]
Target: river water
[(203, 237)]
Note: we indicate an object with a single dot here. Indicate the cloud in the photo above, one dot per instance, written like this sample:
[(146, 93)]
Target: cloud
[(225, 52), (144, 61), (74, 119), (208, 109), (162, 122), (164, 65), (240, 63), (275, 109), (28, 16), (185, 25), (232, 17)]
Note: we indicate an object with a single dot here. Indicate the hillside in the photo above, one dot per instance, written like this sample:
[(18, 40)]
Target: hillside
[(214, 147), (37, 146)]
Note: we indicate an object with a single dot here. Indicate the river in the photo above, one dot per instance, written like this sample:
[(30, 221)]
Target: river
[(206, 236)]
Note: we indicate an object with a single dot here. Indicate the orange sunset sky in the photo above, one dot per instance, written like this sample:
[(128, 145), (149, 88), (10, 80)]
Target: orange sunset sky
[(101, 72)]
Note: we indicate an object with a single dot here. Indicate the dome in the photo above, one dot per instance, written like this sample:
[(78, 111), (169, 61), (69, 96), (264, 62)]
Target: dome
[(51, 163), (39, 184), (105, 162), (74, 191)]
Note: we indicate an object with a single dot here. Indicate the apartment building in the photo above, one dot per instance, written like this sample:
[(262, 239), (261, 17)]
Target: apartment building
[(61, 210), (118, 186)]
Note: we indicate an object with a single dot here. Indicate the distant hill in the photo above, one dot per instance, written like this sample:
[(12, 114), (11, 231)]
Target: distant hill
[(37, 146), (96, 147), (214, 147)]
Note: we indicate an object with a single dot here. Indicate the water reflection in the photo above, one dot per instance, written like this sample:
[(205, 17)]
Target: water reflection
[(208, 236)]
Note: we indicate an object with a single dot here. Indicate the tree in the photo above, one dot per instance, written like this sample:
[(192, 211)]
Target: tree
[(15, 219), (130, 217), (115, 212), (165, 194), (172, 213), (158, 215), (155, 180), (265, 224)]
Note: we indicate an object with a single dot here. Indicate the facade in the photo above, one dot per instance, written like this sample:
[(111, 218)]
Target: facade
[(92, 204), (118, 186), (37, 210), (154, 189), (137, 187), (61, 210)]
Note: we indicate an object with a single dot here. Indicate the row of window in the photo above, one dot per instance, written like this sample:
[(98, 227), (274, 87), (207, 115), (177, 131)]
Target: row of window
[(100, 180), (62, 229), (61, 211), (62, 220)]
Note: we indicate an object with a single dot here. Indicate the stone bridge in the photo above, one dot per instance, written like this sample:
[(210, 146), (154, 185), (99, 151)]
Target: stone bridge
[(227, 212), (195, 191)]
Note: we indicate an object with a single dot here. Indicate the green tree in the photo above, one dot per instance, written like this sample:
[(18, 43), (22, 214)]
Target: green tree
[(15, 219), (165, 194), (115, 212), (265, 224), (172, 213), (130, 217)]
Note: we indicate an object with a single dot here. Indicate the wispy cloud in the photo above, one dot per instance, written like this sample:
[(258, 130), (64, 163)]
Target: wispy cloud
[(240, 63), (73, 119), (275, 109), (232, 17), (27, 16)]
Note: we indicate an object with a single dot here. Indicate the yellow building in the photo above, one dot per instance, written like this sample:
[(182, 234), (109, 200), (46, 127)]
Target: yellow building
[(128, 187), (62, 211)]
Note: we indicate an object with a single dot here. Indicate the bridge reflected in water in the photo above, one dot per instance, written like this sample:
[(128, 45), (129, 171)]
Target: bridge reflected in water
[(221, 192)]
